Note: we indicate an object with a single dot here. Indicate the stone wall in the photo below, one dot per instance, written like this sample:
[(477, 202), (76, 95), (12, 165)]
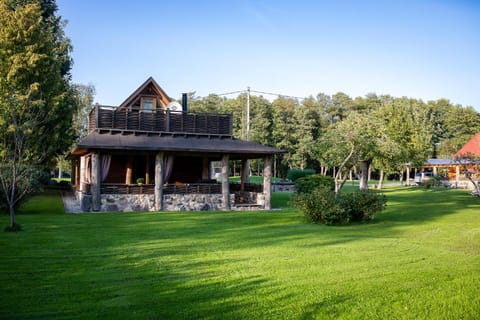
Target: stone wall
[(194, 202), (127, 202), (171, 202)]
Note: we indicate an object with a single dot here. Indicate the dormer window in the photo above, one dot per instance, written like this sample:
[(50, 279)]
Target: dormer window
[(148, 104)]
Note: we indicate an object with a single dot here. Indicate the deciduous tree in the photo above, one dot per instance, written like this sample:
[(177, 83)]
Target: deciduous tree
[(36, 100)]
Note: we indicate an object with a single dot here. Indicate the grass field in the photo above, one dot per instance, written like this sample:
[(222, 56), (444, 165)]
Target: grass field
[(419, 259)]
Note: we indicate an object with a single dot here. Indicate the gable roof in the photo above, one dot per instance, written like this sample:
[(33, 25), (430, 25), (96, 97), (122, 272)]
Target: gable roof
[(155, 86), (472, 147)]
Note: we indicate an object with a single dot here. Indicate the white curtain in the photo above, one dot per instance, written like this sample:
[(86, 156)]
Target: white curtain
[(105, 166), (168, 167), (88, 169)]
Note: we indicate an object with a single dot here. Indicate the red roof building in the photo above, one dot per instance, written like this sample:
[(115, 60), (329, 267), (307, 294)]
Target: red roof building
[(472, 147)]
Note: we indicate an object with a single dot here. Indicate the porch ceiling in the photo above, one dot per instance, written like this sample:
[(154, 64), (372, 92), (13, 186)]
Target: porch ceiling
[(238, 149)]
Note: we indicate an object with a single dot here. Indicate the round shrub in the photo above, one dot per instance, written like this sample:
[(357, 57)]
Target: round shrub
[(321, 206), (362, 205), (310, 183), (295, 174)]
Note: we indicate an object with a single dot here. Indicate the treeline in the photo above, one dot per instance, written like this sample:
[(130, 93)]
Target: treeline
[(337, 133)]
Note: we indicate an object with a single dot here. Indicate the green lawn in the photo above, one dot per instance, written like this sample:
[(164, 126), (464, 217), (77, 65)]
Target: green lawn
[(419, 259)]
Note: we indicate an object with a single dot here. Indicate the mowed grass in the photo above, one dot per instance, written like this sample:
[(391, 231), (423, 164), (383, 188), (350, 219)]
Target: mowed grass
[(419, 259)]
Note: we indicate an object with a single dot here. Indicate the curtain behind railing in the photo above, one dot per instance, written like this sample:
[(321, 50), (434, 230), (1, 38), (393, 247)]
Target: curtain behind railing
[(168, 165), (106, 160), (88, 169)]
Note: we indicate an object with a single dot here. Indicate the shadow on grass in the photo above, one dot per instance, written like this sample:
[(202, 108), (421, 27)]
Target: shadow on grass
[(418, 205), (175, 265)]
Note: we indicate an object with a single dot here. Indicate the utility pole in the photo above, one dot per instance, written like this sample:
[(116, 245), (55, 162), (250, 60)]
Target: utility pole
[(248, 114), (246, 162)]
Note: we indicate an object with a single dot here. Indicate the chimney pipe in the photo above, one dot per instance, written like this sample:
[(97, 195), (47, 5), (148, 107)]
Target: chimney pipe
[(184, 103)]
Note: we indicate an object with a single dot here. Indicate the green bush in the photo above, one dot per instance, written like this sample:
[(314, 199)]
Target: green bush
[(320, 206), (295, 174), (310, 183), (362, 205)]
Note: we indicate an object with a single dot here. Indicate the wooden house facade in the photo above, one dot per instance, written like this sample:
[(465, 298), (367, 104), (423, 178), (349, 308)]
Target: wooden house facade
[(147, 155)]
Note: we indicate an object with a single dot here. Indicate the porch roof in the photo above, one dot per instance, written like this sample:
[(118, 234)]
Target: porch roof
[(133, 141)]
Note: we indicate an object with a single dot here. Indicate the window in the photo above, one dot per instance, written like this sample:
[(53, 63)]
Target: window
[(148, 104)]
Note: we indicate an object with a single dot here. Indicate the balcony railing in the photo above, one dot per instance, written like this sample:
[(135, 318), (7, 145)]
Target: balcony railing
[(159, 121)]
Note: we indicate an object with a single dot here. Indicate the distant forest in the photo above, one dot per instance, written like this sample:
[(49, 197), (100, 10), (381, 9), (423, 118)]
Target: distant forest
[(319, 132)]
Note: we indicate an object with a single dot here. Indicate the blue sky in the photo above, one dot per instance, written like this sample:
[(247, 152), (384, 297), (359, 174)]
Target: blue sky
[(422, 49)]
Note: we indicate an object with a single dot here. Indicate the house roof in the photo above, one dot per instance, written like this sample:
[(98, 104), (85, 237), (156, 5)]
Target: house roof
[(213, 145), (472, 147), (439, 162), (156, 88)]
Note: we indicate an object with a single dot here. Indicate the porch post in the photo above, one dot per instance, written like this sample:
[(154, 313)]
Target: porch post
[(267, 182), (82, 173), (147, 170), (75, 174), (225, 184), (96, 182), (128, 174), (457, 175), (159, 181), (435, 171), (244, 174)]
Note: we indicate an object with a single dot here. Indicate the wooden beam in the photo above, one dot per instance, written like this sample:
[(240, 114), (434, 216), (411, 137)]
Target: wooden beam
[(128, 174), (225, 182), (159, 169), (95, 182), (83, 163), (267, 182), (244, 174), (457, 175), (147, 170)]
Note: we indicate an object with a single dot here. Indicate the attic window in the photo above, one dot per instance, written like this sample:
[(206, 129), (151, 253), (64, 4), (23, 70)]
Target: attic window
[(147, 104)]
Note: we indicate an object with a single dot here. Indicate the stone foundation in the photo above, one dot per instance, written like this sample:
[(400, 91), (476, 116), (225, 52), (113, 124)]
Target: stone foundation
[(194, 202), (127, 202), (171, 202)]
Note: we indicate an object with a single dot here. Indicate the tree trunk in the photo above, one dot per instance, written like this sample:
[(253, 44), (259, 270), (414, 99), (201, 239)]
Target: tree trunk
[(12, 216), (380, 180), (364, 175)]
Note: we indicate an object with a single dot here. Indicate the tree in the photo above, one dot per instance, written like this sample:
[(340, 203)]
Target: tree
[(36, 100), (470, 168), (350, 141), (83, 95), (284, 128)]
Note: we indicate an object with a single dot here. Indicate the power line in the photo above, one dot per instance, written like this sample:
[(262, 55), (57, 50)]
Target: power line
[(256, 91), (279, 95)]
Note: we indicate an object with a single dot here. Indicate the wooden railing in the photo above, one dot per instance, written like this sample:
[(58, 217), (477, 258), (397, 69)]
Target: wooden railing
[(117, 188), (248, 187), (204, 188), (160, 121)]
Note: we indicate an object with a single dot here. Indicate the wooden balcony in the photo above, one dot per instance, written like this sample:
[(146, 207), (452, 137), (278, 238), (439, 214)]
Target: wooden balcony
[(160, 121)]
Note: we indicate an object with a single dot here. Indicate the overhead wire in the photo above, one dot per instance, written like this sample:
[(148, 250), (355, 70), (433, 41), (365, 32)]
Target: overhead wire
[(259, 92)]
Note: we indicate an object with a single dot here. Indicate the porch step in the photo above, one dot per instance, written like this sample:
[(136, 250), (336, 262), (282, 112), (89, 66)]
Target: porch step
[(247, 206)]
